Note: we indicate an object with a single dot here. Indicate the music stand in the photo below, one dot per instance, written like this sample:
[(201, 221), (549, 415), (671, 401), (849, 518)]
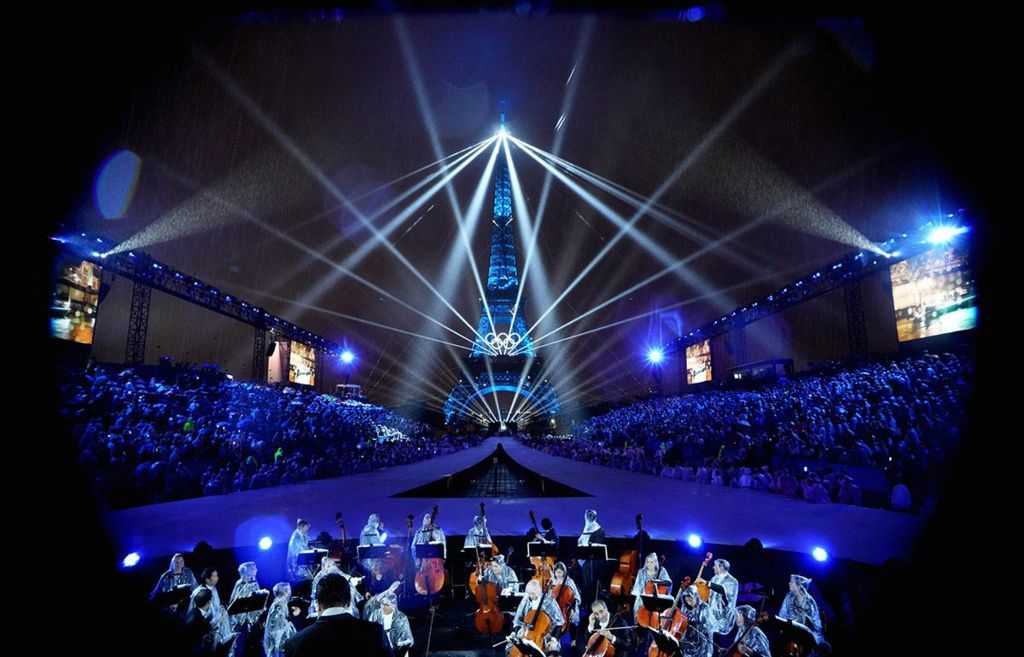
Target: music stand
[(373, 551), (796, 632), (172, 598), (591, 553), (539, 549), (257, 601), (431, 551), (473, 553), (527, 647), (310, 559)]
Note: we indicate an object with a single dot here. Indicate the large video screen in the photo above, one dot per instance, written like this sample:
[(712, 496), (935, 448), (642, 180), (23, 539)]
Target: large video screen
[(698, 362), (933, 293), (75, 299), (302, 364)]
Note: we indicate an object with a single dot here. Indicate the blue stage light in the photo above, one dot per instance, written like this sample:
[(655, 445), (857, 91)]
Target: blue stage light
[(655, 356), (945, 234), (131, 560), (266, 542), (694, 541), (819, 554), (347, 357)]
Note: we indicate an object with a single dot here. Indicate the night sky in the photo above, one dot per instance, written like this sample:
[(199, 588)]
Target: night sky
[(812, 128)]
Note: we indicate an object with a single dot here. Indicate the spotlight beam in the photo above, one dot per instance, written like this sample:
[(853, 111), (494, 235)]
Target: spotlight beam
[(428, 119), (293, 149)]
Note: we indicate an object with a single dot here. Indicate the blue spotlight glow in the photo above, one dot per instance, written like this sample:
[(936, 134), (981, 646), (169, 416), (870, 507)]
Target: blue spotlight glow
[(819, 554), (115, 184), (655, 356), (131, 560), (347, 357), (266, 542), (945, 234), (694, 541)]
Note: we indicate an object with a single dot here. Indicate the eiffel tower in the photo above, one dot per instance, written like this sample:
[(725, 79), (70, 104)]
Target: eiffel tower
[(502, 351)]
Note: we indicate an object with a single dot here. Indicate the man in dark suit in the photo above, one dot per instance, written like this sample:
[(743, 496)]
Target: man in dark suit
[(336, 632), (198, 632)]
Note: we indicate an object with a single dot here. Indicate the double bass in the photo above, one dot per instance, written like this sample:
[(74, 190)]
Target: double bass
[(629, 562), (542, 566), (430, 574), (477, 571)]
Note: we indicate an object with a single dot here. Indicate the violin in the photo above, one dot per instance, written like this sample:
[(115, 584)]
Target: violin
[(430, 574)]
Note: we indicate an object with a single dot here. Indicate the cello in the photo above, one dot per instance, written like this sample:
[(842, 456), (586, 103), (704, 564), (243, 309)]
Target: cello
[(735, 650), (565, 599), (673, 623), (538, 625), (542, 566), (430, 574), (644, 616), (489, 619), (629, 561)]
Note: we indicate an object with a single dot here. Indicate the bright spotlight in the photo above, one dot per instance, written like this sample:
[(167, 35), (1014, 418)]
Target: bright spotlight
[(945, 234), (819, 554), (655, 356), (131, 560), (266, 542), (694, 541), (347, 357), (502, 132)]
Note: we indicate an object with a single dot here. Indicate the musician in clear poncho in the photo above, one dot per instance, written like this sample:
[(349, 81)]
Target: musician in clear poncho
[(500, 574), (372, 534), (328, 566), (533, 600), (696, 641), (722, 603), (220, 624), (560, 575), (800, 607), (299, 542), (175, 576), (279, 626), (652, 570), (426, 535), (478, 533), (395, 623), (245, 587), (752, 643)]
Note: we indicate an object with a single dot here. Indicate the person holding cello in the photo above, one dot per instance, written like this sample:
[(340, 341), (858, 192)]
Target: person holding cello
[(536, 619), (430, 532), (567, 597), (501, 575), (478, 534), (603, 636), (750, 640), (696, 640), (652, 579), (723, 589)]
